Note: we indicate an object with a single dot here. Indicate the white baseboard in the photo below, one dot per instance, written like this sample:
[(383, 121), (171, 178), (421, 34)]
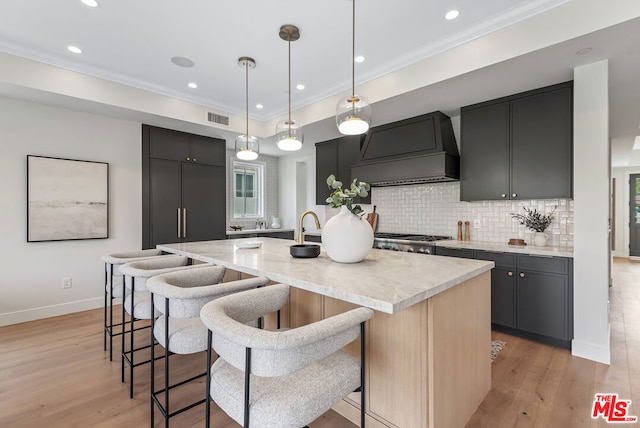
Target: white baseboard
[(50, 311), (591, 351)]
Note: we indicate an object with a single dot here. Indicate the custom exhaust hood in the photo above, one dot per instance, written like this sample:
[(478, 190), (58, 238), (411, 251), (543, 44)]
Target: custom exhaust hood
[(421, 149)]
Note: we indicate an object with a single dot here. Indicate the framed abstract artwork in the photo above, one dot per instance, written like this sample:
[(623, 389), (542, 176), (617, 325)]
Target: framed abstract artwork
[(66, 199)]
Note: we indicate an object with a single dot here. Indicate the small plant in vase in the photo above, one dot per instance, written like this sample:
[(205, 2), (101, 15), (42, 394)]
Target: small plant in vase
[(347, 237), (341, 197), (537, 222)]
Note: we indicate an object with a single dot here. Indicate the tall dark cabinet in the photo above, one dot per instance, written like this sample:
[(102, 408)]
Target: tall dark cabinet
[(518, 147), (183, 191), (336, 157)]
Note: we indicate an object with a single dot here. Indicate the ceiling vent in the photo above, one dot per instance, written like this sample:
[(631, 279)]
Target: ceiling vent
[(217, 118)]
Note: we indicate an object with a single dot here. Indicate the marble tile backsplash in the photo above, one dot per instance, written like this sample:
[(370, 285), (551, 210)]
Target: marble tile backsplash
[(436, 209)]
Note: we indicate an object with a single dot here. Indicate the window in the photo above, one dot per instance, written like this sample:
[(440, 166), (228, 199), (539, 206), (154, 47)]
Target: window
[(248, 190)]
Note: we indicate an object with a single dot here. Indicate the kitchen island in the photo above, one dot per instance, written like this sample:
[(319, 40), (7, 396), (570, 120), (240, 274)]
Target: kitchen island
[(428, 344)]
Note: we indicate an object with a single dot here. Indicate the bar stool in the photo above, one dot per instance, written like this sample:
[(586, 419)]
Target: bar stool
[(137, 303), (112, 291), (179, 296), (279, 379)]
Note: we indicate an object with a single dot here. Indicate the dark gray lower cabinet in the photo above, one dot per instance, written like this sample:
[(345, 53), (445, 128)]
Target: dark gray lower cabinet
[(542, 304), (313, 238), (280, 235), (503, 287), (545, 297), (454, 252), (531, 296)]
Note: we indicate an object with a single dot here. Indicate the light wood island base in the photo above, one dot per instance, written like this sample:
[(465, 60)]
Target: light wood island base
[(427, 366), (428, 346)]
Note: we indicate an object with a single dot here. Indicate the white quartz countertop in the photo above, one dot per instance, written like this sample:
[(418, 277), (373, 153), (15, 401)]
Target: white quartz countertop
[(252, 231), (505, 248), (386, 281)]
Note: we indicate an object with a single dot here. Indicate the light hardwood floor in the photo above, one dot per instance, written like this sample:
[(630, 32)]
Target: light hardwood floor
[(53, 373)]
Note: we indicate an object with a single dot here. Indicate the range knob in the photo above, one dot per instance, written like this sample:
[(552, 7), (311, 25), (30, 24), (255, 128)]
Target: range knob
[(410, 250)]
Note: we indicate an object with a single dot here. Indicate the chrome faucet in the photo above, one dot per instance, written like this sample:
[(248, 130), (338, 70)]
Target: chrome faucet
[(300, 238)]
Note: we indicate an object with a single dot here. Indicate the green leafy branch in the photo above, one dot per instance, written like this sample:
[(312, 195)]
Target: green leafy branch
[(341, 197), (534, 220)]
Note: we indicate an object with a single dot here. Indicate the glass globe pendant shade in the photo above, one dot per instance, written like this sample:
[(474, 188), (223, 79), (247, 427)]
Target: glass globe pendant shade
[(247, 147), (353, 115), (289, 136)]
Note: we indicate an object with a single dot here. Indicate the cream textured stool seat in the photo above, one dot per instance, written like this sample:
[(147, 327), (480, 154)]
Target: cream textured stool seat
[(279, 378), (137, 302), (179, 296), (115, 289)]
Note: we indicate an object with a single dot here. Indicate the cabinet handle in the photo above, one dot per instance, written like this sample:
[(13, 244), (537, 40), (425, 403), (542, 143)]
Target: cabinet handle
[(504, 195), (194, 159), (179, 222), (521, 274), (184, 222), (514, 195), (510, 273), (188, 159)]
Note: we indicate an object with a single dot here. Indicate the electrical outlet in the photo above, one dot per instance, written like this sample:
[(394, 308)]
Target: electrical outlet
[(66, 282), (476, 223)]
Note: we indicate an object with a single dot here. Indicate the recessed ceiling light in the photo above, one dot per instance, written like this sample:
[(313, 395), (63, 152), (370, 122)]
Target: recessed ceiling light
[(452, 14), (584, 51), (90, 3), (259, 106), (299, 86), (181, 61), (74, 49), (359, 58), (192, 85)]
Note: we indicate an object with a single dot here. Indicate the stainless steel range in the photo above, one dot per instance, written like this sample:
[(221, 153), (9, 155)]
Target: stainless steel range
[(422, 244)]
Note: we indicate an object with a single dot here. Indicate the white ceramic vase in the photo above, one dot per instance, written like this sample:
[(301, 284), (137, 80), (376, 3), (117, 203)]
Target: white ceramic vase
[(346, 237), (540, 239)]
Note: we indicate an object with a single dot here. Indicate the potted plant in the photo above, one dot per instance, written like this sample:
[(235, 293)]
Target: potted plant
[(347, 237), (537, 222)]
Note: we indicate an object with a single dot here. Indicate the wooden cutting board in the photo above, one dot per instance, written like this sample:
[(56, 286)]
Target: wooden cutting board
[(372, 218)]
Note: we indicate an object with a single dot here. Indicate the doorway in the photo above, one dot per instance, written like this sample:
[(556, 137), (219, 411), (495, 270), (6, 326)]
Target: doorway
[(634, 215)]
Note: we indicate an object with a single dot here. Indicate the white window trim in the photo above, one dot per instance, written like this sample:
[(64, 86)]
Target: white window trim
[(261, 167)]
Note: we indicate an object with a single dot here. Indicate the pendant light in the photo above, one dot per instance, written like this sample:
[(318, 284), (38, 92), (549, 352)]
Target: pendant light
[(353, 113), (289, 136), (247, 146)]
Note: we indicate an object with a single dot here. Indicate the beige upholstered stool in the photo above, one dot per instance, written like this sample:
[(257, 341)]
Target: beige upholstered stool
[(179, 296), (114, 287), (137, 303), (279, 378)]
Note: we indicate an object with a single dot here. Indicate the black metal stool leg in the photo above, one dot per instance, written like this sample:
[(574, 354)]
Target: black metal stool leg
[(207, 416), (105, 307), (131, 342)]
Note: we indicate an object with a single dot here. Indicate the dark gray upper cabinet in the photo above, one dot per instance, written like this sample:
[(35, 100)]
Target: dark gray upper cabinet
[(484, 160), (542, 145), (183, 187), (180, 146), (518, 147), (336, 157)]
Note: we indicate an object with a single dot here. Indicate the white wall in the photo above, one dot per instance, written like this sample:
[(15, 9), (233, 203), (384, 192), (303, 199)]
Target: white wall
[(298, 196), (31, 278), (591, 193)]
